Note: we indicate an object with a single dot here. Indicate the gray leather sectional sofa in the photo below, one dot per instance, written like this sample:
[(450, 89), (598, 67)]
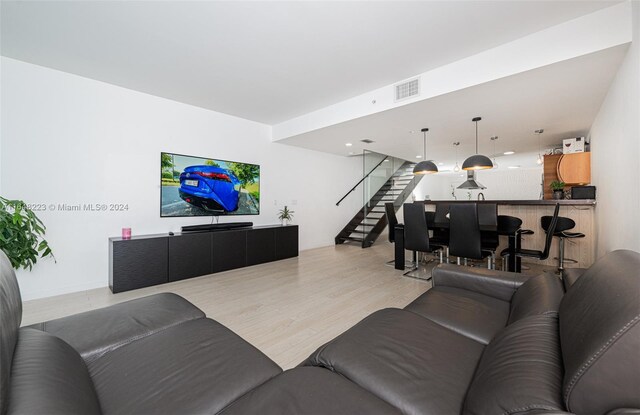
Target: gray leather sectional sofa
[(478, 342)]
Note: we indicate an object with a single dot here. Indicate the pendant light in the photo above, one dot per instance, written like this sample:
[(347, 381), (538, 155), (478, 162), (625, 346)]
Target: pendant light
[(493, 140), (538, 132), (456, 168), (425, 166), (477, 161)]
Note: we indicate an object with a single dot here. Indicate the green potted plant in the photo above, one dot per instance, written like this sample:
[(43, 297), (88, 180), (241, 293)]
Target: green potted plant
[(21, 234), (558, 189), (285, 215)]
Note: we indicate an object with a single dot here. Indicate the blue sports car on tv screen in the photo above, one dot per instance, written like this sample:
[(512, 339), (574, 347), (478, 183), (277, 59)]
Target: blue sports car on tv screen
[(211, 188)]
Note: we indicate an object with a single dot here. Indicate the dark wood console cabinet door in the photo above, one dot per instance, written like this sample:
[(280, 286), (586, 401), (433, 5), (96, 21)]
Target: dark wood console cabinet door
[(138, 263), (286, 242), (229, 250), (190, 255), (261, 246)]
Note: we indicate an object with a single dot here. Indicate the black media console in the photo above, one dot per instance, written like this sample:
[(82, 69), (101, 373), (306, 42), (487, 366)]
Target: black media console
[(147, 260)]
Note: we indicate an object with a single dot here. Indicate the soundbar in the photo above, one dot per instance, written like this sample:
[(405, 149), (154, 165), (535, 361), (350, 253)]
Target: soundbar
[(217, 227)]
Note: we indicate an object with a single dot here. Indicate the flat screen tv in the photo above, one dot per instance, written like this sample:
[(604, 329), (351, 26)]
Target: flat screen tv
[(198, 186)]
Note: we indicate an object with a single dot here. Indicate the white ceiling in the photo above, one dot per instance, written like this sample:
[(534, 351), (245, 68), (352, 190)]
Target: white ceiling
[(269, 61), (563, 99)]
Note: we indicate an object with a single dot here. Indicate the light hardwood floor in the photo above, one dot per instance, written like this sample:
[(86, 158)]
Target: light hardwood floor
[(286, 309)]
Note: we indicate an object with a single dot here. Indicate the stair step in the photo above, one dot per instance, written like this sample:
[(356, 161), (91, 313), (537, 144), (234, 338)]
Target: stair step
[(351, 238), (358, 231)]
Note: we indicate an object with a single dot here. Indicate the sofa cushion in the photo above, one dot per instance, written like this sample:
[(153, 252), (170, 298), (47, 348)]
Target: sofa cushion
[(10, 318), (418, 366), (538, 295), (198, 366), (498, 284), (49, 377), (469, 313), (309, 390), (520, 370), (600, 335), (97, 332)]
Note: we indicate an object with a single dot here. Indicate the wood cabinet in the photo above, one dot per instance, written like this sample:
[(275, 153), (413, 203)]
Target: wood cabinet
[(573, 169)]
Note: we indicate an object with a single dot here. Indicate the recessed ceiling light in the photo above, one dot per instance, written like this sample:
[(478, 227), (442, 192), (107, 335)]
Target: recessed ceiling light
[(508, 153), (418, 156), (513, 167), (440, 164), (348, 144)]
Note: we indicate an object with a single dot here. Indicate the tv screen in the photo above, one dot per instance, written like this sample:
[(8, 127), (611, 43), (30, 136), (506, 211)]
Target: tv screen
[(197, 186)]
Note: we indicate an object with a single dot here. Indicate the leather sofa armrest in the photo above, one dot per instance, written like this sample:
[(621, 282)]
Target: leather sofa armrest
[(497, 284), (570, 276), (97, 332)]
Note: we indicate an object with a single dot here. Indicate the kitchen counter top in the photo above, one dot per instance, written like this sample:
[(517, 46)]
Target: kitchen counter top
[(563, 202)]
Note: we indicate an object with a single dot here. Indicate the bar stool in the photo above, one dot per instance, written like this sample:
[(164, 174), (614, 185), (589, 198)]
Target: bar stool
[(510, 226), (563, 225), (441, 235), (544, 254), (488, 217)]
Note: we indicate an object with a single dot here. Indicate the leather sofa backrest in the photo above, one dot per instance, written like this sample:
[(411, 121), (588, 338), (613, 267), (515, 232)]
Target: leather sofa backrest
[(520, 370), (49, 377), (10, 318), (538, 295), (600, 336)]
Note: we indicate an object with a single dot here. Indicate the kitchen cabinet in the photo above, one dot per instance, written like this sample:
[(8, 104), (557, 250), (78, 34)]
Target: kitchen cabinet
[(573, 169)]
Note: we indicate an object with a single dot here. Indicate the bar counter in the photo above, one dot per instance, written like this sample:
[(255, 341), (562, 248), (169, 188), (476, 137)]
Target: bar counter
[(582, 250), (563, 202)]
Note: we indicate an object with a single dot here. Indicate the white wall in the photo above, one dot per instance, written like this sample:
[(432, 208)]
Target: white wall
[(615, 144), (67, 139), (501, 183)]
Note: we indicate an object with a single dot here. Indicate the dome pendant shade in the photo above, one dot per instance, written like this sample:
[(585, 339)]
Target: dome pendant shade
[(477, 162), (425, 167)]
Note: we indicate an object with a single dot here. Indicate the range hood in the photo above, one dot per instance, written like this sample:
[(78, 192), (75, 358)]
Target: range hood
[(471, 182)]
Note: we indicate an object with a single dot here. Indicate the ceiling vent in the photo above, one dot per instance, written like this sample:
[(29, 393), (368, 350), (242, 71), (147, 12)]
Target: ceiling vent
[(407, 89), (366, 140)]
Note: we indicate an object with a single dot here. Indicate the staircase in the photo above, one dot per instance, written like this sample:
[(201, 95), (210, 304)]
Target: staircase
[(370, 221)]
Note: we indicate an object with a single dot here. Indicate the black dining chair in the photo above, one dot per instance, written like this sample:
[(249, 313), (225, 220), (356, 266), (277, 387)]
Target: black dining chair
[(488, 219), (544, 254), (465, 240), (416, 233), (392, 221)]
